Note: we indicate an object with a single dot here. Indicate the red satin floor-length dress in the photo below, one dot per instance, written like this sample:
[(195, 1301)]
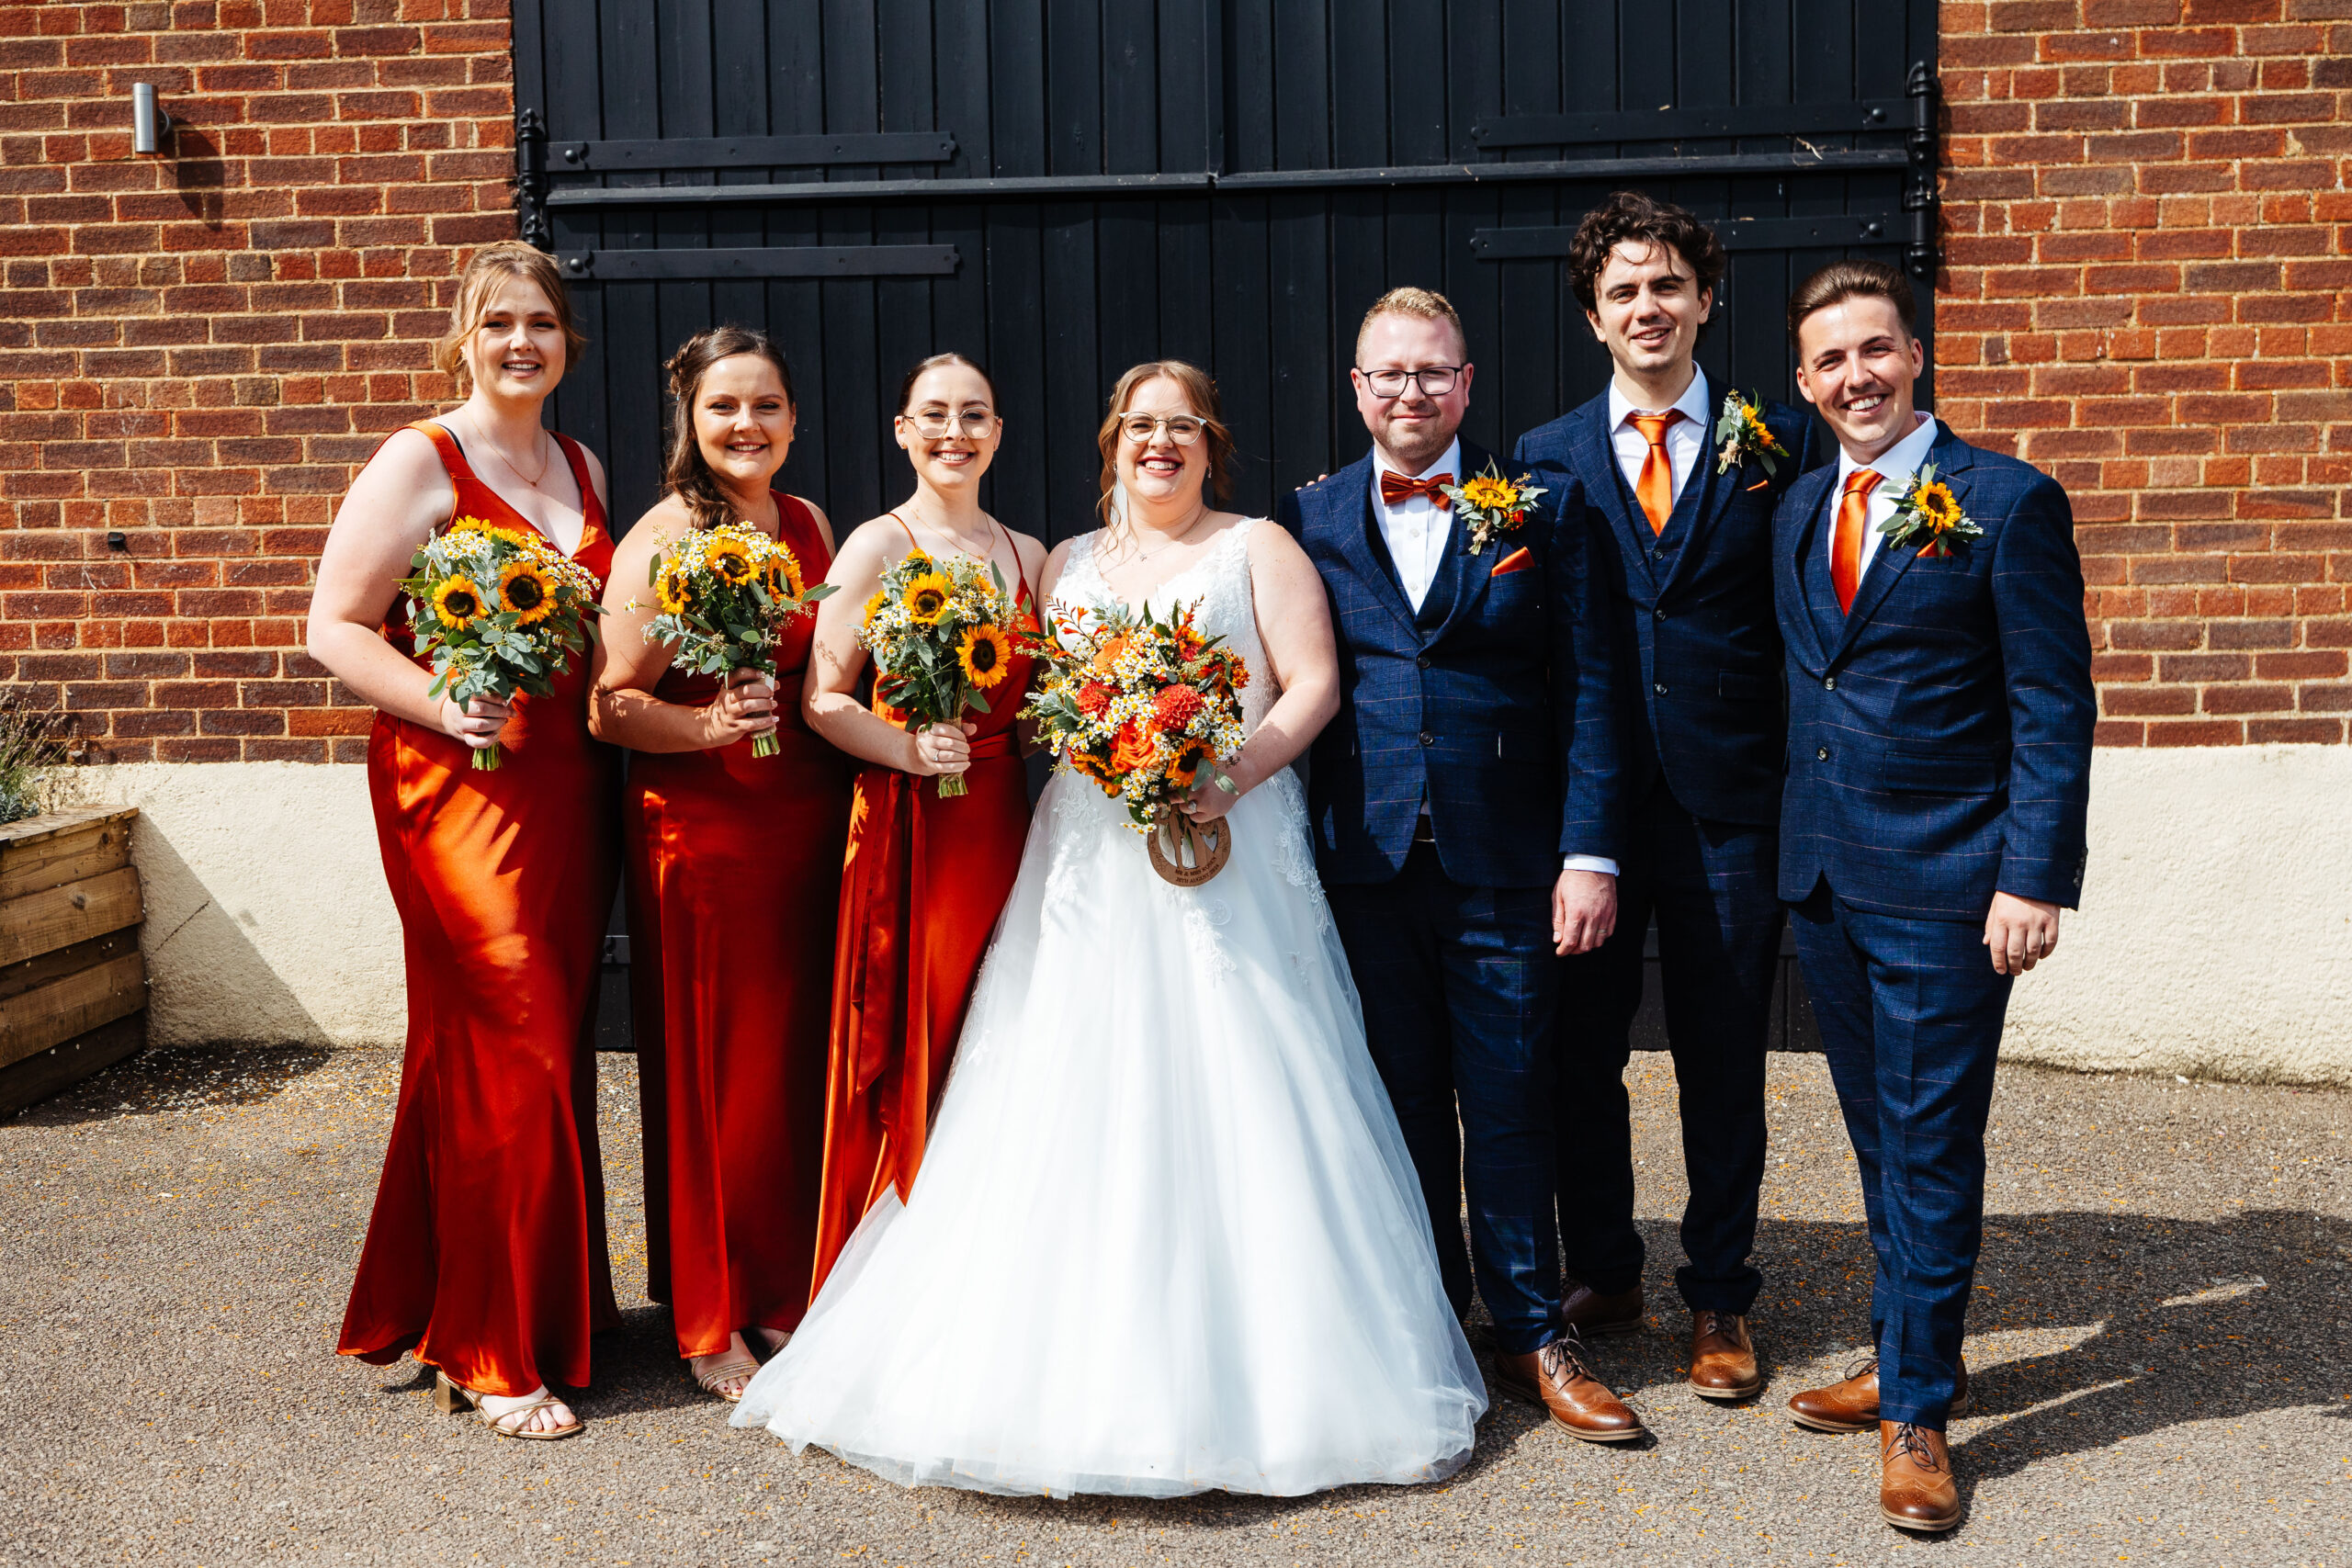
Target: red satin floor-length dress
[(925, 880), (485, 1254), (735, 868)]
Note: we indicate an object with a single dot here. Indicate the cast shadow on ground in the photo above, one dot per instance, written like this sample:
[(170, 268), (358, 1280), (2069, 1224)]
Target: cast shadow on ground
[(177, 1078)]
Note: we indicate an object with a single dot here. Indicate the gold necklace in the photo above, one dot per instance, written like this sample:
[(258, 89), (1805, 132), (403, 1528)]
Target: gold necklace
[(546, 458), (1200, 517), (955, 545)]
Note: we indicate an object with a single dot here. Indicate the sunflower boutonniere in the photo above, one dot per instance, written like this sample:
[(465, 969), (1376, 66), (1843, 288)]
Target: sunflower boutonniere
[(1491, 504), (1927, 515), (1743, 437)]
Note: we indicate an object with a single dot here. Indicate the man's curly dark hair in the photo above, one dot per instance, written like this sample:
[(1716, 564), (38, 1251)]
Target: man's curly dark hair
[(1630, 215)]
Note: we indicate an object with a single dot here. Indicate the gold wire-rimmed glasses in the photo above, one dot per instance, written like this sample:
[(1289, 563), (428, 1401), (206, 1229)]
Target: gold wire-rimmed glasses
[(1182, 428), (934, 424)]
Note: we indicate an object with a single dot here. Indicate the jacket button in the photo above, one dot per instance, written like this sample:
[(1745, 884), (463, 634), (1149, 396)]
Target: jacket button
[(1423, 663), (1657, 615), (1829, 683), (1822, 755), (1660, 688), (1428, 739)]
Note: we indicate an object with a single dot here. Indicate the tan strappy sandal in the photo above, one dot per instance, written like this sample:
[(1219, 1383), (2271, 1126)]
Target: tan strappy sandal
[(729, 1366), (450, 1398)]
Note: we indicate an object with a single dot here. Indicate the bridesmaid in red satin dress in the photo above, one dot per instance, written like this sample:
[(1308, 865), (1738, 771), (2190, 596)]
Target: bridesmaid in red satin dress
[(734, 868), (485, 1256), (926, 876)]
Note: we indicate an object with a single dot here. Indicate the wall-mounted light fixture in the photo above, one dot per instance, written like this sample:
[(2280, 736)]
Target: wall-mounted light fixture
[(149, 124)]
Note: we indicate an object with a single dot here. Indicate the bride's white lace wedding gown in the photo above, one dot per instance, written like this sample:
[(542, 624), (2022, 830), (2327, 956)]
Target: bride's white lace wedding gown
[(1166, 1237)]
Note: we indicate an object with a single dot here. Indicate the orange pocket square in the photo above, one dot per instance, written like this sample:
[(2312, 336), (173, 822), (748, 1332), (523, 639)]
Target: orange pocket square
[(1518, 560)]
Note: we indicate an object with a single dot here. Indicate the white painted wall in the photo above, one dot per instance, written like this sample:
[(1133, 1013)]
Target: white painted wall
[(2215, 938), (267, 917)]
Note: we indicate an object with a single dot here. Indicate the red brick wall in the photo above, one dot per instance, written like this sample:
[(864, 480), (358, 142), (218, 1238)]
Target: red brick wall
[(2149, 296), (198, 351)]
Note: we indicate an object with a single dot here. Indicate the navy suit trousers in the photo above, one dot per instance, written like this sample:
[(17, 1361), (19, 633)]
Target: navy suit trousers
[(1712, 888), (1459, 985), (1910, 1012)]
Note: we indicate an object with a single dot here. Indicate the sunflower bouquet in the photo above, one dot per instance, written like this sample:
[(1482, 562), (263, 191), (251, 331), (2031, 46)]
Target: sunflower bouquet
[(942, 636), (725, 594), (1141, 704), (497, 611)]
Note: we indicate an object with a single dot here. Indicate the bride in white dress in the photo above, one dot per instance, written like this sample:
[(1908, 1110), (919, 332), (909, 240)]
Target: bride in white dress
[(1166, 1236)]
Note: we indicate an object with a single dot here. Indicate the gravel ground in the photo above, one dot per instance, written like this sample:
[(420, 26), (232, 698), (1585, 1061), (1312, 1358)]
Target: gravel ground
[(2159, 1352)]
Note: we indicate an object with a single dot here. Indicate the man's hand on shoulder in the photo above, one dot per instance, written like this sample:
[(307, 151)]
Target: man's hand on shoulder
[(1584, 911), (2021, 932)]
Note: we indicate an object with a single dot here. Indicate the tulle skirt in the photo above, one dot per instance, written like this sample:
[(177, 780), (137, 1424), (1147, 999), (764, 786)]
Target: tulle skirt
[(1167, 1237)]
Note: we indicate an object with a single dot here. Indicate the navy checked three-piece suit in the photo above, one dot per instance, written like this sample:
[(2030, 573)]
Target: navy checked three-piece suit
[(1698, 646), (1939, 748), (1489, 710)]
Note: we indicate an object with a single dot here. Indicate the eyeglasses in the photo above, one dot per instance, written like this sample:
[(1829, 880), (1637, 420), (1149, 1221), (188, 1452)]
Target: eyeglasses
[(974, 423), (1434, 380), (1182, 428)]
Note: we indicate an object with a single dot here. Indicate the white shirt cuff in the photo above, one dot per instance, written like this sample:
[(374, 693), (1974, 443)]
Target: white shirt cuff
[(1588, 862)]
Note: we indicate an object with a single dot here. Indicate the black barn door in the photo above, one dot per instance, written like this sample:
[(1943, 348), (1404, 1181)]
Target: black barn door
[(1063, 188)]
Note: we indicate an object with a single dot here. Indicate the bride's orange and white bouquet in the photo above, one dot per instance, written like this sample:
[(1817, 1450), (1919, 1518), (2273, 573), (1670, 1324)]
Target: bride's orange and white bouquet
[(726, 594), (943, 636), (1141, 704), (497, 611)]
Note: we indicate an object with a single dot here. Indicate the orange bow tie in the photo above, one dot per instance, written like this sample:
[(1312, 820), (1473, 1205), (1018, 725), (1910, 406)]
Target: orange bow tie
[(1395, 489)]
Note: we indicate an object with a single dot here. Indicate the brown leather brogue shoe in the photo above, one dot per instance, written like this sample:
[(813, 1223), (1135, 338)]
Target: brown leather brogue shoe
[(1556, 1378), (1916, 1489), (1850, 1404), (1723, 1357), (1589, 1313)]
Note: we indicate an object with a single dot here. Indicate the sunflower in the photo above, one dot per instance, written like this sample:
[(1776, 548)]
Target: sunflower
[(1938, 505), (1488, 493), (1187, 765), (874, 606), (983, 654), (672, 586), (926, 599), (780, 574), (457, 601), (730, 560), (526, 590)]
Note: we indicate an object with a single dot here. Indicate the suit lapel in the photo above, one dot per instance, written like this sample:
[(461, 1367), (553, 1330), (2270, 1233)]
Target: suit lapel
[(1605, 488), (1469, 574), (1345, 504), (1951, 458), (1717, 493), (1793, 560)]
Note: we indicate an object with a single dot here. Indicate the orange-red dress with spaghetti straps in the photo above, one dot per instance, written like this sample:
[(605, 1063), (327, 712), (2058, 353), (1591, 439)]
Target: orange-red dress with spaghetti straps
[(485, 1254), (921, 891), (735, 868)]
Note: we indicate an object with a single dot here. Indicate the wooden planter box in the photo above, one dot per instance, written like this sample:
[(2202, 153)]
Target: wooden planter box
[(73, 985)]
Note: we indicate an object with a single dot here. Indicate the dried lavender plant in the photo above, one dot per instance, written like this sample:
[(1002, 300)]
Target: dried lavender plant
[(29, 747)]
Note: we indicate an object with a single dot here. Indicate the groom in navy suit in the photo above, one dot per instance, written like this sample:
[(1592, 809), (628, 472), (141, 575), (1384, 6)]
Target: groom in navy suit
[(1940, 710), (1465, 811), (1684, 528)]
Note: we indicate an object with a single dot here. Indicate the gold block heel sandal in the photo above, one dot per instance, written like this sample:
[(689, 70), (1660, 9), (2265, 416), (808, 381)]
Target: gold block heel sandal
[(455, 1399)]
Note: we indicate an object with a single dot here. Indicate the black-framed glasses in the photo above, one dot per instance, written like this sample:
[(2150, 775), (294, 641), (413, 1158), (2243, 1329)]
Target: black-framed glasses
[(1182, 428), (1434, 380), (972, 423)]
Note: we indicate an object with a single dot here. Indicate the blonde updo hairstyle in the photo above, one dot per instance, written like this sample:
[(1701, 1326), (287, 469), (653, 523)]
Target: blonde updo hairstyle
[(1200, 390), (488, 267)]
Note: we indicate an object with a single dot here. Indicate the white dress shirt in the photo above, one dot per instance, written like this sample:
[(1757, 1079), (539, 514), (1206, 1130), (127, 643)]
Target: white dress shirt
[(1416, 533), (1894, 467), (1686, 438)]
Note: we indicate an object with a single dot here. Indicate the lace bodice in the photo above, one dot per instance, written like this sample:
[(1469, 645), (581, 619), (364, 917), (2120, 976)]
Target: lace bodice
[(1220, 581)]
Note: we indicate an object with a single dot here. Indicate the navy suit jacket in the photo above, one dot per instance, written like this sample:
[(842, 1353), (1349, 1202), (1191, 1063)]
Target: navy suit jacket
[(1492, 708), (1691, 610), (1940, 735)]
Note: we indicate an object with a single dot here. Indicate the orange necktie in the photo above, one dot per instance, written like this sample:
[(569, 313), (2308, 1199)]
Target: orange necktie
[(1655, 489), (1845, 547)]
